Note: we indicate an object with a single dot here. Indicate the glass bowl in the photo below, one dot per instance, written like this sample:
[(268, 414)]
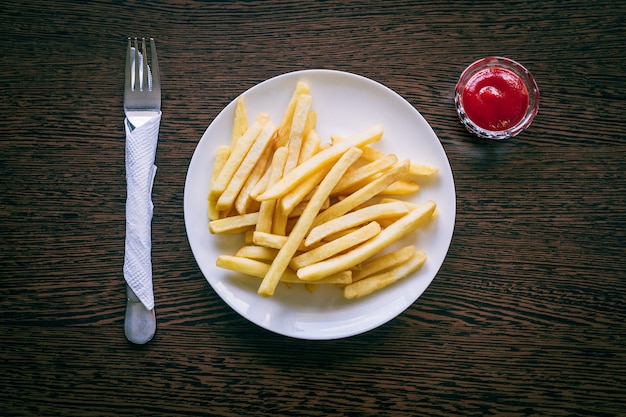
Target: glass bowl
[(490, 98)]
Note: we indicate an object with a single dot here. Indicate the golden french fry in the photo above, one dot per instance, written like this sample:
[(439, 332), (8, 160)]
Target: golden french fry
[(285, 124), (294, 197), (401, 187), (268, 240), (271, 240), (336, 246), (400, 228), (359, 177), (240, 121), (309, 126), (260, 253), (325, 157), (408, 204), (299, 194), (373, 283), (297, 210), (260, 144), (422, 170), (415, 169), (233, 223), (279, 222), (355, 218), (298, 123), (248, 237), (364, 194), (266, 212), (340, 233), (221, 157), (295, 238), (261, 184), (382, 263), (373, 154), (238, 154), (311, 145), (244, 200), (259, 269)]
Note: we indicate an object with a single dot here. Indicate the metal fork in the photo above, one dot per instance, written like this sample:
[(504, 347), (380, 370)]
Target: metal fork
[(142, 88), (142, 102)]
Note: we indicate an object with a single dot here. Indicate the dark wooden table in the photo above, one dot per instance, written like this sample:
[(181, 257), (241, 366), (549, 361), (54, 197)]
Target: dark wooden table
[(526, 316)]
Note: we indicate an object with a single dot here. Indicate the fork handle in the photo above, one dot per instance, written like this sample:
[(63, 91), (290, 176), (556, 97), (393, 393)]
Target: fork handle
[(139, 322)]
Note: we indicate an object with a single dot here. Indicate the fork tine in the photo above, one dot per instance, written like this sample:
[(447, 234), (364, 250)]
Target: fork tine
[(137, 83), (128, 79), (145, 79), (156, 79)]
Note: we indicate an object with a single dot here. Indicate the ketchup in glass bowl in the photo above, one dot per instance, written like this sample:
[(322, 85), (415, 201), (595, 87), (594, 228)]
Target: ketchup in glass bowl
[(496, 98)]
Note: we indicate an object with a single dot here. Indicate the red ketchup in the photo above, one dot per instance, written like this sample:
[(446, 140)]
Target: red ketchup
[(496, 98)]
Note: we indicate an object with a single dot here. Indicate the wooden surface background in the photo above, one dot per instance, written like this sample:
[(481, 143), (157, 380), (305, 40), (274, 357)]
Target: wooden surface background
[(526, 317)]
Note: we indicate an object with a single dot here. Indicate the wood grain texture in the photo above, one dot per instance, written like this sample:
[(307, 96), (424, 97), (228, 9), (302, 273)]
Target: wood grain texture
[(525, 318)]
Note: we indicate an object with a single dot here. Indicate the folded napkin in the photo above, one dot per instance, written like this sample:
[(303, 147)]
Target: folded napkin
[(141, 143)]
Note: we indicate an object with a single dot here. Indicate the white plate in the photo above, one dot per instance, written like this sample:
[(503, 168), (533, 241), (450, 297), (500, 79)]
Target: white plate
[(345, 103)]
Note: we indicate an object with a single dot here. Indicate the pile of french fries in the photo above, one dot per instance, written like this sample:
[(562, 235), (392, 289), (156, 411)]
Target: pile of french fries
[(315, 213)]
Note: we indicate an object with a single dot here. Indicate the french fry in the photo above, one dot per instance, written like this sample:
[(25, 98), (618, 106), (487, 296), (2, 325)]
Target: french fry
[(294, 197), (233, 223), (261, 184), (382, 263), (422, 170), (373, 283), (240, 121), (270, 240), (358, 178), (295, 238), (298, 123), (248, 237), (279, 222), (401, 187), (408, 204), (325, 157), (336, 246), (415, 169), (338, 234), (259, 269), (309, 134), (245, 199), (355, 218), (364, 194), (373, 154), (297, 210), (274, 241), (260, 253), (221, 156), (266, 212), (391, 234), (285, 124), (311, 145), (238, 154), (260, 144)]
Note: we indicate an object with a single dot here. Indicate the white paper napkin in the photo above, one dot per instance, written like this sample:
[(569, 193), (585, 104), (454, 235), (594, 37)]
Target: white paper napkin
[(141, 143)]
